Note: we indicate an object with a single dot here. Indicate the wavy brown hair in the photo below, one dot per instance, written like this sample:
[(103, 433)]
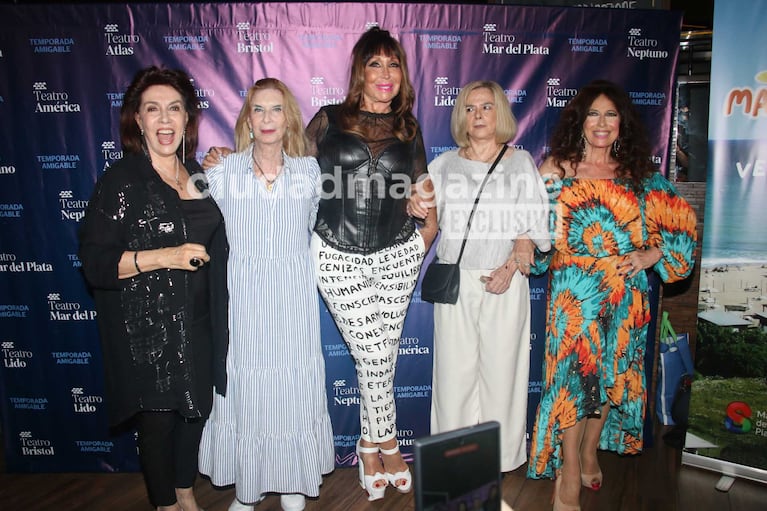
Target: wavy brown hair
[(130, 134), (379, 42), (633, 154), (294, 142)]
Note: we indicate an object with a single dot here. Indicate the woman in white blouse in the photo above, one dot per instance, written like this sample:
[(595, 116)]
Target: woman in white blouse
[(481, 344)]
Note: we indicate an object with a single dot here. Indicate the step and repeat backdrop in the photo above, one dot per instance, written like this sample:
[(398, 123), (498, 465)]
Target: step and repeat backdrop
[(63, 72)]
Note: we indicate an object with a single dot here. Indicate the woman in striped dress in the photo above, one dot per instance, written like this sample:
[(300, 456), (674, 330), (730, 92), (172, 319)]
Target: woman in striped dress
[(271, 432)]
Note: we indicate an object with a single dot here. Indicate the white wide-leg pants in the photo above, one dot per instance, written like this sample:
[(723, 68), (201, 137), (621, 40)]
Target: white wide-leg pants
[(482, 362)]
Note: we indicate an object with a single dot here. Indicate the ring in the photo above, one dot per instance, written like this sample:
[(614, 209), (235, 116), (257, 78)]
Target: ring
[(195, 261)]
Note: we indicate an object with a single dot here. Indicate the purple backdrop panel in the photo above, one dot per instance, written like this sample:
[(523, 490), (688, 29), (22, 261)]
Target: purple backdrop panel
[(63, 72)]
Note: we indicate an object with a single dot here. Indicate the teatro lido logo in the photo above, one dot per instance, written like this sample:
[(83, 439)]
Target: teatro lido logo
[(84, 403), (119, 44), (444, 94), (14, 358), (49, 101)]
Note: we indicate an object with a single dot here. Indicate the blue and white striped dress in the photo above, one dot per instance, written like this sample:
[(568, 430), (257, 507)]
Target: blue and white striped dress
[(272, 431)]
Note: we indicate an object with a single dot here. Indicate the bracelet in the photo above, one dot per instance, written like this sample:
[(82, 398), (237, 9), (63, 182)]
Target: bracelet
[(135, 261)]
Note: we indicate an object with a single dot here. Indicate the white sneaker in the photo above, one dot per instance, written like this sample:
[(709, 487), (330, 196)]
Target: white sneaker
[(292, 502), (236, 505)]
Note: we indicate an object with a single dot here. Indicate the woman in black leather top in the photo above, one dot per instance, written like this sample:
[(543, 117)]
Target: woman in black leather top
[(367, 249)]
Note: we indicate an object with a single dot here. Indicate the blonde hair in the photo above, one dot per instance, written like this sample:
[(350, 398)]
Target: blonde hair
[(505, 124), (294, 142)]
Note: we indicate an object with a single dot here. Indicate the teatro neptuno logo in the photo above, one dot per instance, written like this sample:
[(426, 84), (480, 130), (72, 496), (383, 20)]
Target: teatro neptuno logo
[(84, 403), (557, 96), (640, 47), (52, 101), (345, 395), (322, 94), (31, 446), (253, 42), (118, 44), (71, 208), (13, 357), (444, 94)]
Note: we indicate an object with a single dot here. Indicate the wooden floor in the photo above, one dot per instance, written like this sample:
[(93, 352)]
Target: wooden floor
[(654, 481)]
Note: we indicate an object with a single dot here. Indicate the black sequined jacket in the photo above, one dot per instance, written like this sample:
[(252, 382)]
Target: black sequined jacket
[(148, 354)]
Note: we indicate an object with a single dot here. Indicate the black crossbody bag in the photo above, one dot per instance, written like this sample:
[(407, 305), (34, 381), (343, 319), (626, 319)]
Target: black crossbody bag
[(442, 280)]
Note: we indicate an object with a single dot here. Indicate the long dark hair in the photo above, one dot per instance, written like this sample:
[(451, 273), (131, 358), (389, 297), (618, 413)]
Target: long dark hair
[(632, 150), (130, 134), (379, 42)]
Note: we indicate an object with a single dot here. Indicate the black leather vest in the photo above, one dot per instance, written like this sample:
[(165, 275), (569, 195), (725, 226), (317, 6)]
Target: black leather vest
[(362, 207)]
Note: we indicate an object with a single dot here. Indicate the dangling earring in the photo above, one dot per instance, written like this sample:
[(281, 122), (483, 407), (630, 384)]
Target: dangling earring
[(142, 131), (183, 146), (583, 147), (251, 134), (616, 147)]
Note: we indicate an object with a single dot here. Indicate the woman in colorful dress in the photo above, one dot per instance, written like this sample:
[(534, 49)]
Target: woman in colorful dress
[(613, 217), (272, 431)]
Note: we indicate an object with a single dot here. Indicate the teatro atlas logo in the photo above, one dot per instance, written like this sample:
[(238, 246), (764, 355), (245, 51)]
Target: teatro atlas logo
[(119, 44), (203, 96)]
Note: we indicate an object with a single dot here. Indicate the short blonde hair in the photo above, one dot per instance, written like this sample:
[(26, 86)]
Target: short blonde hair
[(506, 123), (294, 142)]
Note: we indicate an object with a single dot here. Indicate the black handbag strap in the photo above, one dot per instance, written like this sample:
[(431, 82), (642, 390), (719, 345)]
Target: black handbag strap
[(476, 201)]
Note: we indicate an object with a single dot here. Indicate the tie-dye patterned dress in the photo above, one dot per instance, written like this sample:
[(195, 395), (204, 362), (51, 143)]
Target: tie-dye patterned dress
[(597, 321)]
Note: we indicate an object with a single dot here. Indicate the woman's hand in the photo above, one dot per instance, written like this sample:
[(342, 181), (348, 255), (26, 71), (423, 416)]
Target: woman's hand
[(189, 256), (421, 199), (214, 156), (639, 260), (523, 254), (499, 279)]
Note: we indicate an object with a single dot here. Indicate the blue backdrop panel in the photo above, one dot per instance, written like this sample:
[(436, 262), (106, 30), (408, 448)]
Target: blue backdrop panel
[(63, 71)]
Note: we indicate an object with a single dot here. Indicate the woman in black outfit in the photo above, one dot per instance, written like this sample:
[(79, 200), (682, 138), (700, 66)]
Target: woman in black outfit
[(154, 250)]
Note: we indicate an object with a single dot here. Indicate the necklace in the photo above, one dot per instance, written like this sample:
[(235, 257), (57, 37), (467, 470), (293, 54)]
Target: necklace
[(269, 182), (176, 166)]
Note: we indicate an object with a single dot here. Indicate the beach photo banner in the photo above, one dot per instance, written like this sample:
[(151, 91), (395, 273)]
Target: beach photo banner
[(728, 411), (63, 72)]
